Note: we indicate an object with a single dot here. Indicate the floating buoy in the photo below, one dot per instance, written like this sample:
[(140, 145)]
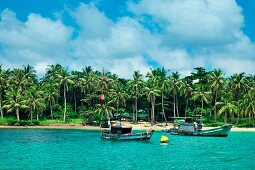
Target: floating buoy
[(164, 139)]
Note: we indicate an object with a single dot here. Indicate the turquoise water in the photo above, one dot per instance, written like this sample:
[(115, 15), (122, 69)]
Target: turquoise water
[(80, 149)]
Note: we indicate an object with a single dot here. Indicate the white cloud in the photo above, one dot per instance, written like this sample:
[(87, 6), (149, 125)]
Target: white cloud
[(192, 33), (41, 67), (232, 66), (119, 47), (32, 42), (194, 22), (125, 67), (93, 23), (199, 33)]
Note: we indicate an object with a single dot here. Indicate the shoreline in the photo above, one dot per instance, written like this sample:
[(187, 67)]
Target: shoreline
[(140, 126)]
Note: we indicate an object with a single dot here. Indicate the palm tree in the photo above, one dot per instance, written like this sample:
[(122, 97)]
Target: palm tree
[(75, 77), (241, 105), (35, 101), (118, 98), (227, 106), (175, 84), (2, 87), (65, 80), (29, 74), (163, 88), (151, 91), (88, 83), (14, 101), (18, 81), (52, 71), (105, 109), (239, 84), (51, 94), (136, 86), (250, 104), (201, 96), (216, 81), (104, 84), (187, 92), (162, 83)]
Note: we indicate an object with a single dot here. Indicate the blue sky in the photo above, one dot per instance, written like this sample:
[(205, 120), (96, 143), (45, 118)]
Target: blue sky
[(124, 36)]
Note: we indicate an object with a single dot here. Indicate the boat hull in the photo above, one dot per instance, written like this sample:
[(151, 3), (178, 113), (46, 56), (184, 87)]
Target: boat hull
[(132, 136), (216, 132)]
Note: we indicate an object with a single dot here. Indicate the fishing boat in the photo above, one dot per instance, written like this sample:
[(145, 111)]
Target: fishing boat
[(122, 132), (190, 128)]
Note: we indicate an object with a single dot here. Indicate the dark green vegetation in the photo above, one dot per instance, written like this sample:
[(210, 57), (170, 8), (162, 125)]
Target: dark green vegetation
[(61, 97)]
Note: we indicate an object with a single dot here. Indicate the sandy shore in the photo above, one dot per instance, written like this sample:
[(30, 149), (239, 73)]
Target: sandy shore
[(139, 126)]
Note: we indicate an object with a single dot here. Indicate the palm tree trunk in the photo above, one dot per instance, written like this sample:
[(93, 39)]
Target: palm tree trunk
[(249, 118), (225, 118), (186, 107), (17, 113), (163, 109), (51, 113), (133, 107), (215, 114), (31, 115), (65, 103), (75, 102), (174, 106), (238, 115), (202, 109), (136, 111), (152, 113), (149, 111), (117, 107), (177, 106), (1, 109)]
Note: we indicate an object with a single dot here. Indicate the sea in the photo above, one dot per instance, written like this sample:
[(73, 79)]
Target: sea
[(83, 149)]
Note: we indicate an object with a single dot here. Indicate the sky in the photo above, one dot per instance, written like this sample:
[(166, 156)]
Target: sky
[(125, 36)]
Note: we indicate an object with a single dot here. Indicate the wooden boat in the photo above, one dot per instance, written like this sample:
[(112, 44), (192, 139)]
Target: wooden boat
[(120, 132), (189, 128)]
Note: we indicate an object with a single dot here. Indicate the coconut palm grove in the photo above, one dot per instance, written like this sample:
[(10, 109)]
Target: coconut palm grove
[(64, 96)]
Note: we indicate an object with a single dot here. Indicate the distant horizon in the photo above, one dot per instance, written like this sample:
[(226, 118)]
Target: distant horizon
[(178, 35)]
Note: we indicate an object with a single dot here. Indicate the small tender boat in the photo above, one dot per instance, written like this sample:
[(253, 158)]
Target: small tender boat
[(189, 128), (121, 132)]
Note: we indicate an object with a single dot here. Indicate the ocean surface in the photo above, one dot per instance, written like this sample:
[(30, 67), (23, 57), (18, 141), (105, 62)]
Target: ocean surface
[(82, 149)]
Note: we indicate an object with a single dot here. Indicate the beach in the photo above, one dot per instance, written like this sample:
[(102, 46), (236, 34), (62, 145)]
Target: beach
[(138, 126)]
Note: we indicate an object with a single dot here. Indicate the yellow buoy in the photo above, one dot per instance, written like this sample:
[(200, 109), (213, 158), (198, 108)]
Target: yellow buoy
[(164, 139)]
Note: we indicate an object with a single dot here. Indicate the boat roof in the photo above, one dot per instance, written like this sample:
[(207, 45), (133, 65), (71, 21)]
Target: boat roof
[(120, 126)]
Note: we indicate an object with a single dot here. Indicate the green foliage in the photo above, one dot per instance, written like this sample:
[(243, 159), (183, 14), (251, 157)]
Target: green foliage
[(70, 112), (11, 121), (8, 121), (245, 125), (36, 122), (213, 124), (73, 97), (24, 123)]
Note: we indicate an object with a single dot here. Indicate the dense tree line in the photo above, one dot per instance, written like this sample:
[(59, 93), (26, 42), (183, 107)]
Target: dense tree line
[(61, 94)]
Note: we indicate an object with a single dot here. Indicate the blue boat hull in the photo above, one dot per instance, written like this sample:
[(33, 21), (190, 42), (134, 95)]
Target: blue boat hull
[(132, 136), (215, 132)]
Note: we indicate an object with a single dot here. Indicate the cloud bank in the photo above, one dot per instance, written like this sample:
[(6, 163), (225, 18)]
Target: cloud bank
[(178, 35)]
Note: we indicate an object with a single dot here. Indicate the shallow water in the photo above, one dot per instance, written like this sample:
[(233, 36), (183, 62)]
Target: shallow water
[(81, 149)]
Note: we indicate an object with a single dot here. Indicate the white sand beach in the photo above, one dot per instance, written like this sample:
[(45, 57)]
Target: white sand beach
[(138, 126)]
